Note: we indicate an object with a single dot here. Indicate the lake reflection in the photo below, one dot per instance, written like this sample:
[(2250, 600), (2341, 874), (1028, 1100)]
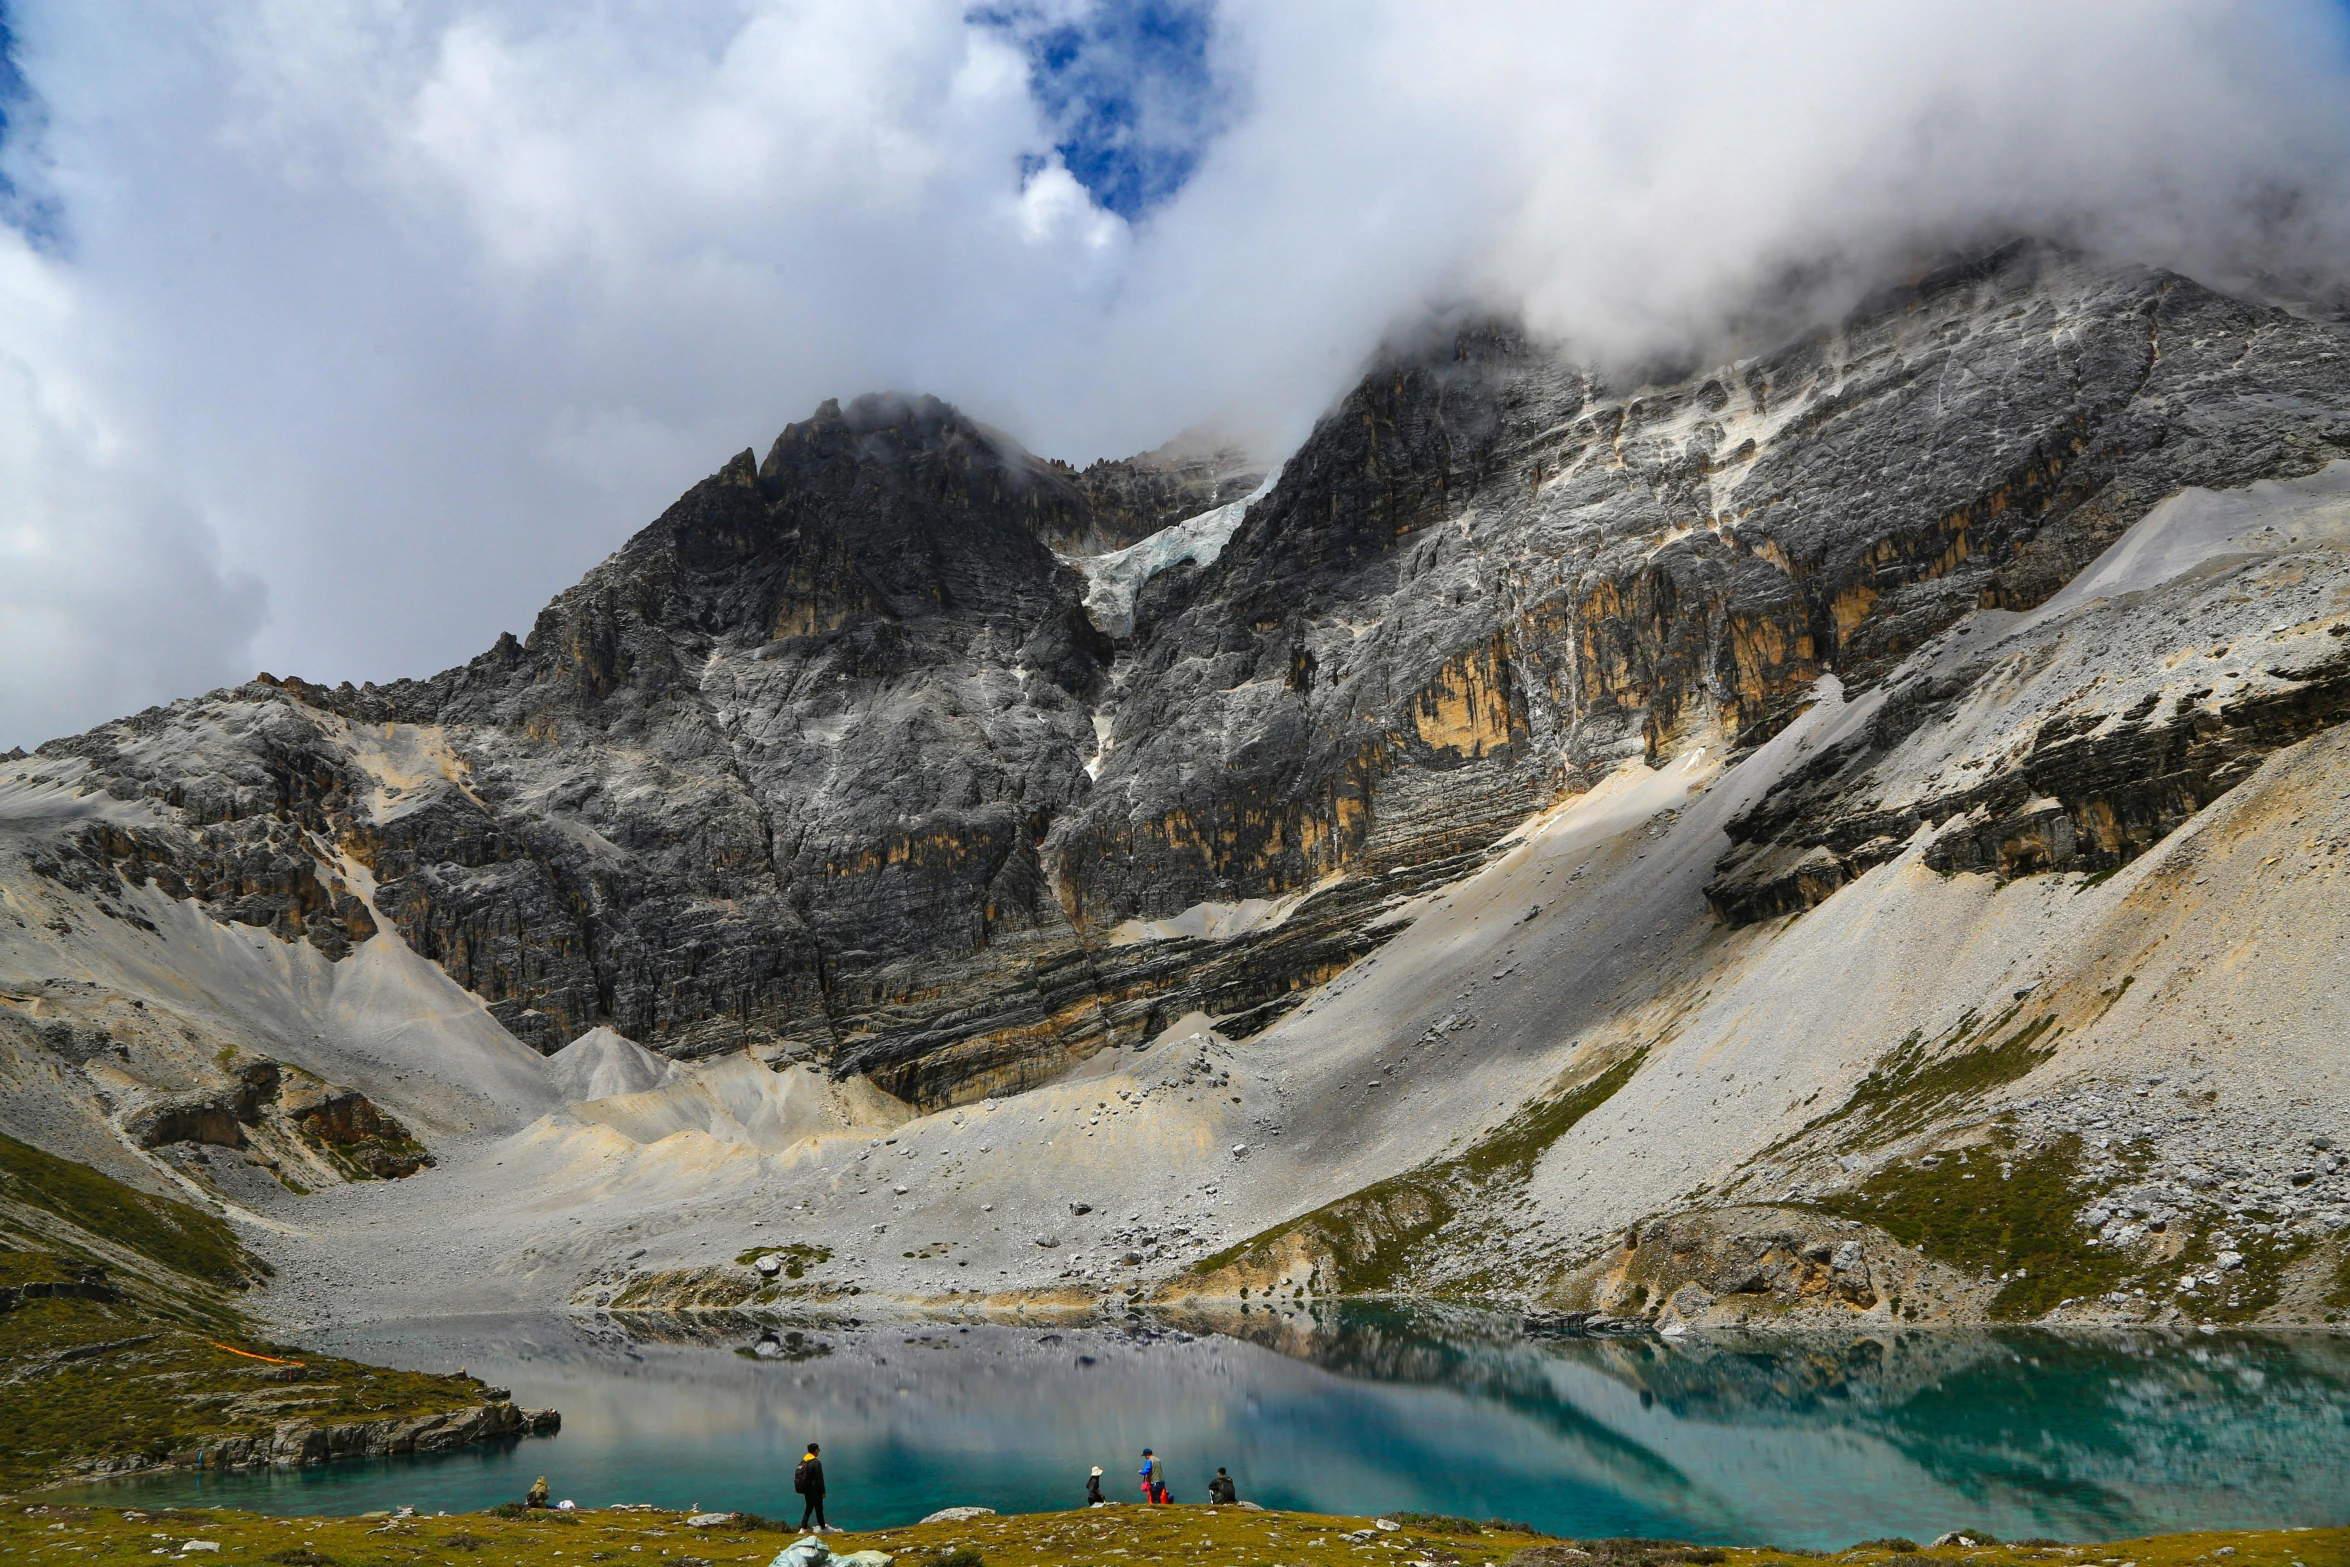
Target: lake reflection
[(1812, 1443)]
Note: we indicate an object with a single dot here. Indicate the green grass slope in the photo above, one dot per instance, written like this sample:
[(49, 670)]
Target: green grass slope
[(123, 1343)]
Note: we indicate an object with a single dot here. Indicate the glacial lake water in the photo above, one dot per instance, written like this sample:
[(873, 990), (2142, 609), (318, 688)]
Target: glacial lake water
[(1357, 1409)]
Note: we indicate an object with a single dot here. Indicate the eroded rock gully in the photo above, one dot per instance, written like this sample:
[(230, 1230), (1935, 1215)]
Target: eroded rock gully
[(830, 761), (165, 1089)]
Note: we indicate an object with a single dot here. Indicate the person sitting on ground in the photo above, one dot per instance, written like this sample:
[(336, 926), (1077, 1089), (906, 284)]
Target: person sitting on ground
[(1221, 1489), (808, 1480), (538, 1493), (1093, 1488)]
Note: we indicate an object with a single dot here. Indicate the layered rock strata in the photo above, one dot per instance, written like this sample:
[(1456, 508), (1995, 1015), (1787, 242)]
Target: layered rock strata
[(830, 760), (2020, 751)]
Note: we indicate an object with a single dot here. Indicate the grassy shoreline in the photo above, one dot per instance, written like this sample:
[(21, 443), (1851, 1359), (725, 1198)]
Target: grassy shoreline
[(1105, 1537), (126, 1346)]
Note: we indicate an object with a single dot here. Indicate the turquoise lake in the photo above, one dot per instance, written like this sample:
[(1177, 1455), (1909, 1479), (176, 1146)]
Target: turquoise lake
[(1807, 1443)]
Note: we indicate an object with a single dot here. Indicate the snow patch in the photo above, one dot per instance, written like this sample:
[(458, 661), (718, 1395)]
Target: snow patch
[(1101, 745), (1113, 580)]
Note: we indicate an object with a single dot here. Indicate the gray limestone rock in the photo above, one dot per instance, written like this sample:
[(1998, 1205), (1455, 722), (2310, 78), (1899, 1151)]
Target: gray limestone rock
[(831, 761)]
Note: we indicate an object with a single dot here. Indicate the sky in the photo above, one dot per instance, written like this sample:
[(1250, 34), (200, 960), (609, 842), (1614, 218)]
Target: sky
[(337, 335)]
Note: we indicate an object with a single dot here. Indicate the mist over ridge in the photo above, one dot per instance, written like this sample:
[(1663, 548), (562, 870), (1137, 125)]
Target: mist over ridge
[(301, 305)]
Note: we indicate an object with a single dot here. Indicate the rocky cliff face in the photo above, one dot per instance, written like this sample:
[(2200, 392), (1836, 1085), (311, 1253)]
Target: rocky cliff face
[(1489, 576), (831, 761), (1130, 498)]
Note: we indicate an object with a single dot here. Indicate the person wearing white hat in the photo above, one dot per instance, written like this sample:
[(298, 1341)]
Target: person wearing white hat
[(1093, 1488)]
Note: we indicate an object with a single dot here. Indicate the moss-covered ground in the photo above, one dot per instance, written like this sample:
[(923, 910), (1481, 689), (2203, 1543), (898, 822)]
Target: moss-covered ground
[(1116, 1536), (2256, 1283), (1999, 1211), (174, 1235), (2338, 1287), (795, 1259), (1920, 1079), (137, 1362), (2014, 1214), (87, 1385), (1378, 1234)]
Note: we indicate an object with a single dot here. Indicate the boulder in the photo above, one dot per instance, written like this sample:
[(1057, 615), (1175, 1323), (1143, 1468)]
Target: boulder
[(1849, 1270), (1690, 1302)]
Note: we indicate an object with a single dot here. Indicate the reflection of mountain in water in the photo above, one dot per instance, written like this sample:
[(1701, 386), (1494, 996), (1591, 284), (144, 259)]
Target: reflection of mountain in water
[(1813, 1443), (2091, 1429), (784, 1344)]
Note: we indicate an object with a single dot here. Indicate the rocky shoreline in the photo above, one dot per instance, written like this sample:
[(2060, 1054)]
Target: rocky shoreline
[(302, 1443)]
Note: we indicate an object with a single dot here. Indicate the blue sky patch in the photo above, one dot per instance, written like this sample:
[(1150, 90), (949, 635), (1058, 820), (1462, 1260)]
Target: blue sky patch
[(37, 218), (12, 89), (1128, 89)]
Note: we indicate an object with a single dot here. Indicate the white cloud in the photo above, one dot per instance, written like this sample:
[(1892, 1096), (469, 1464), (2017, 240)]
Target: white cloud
[(1053, 206), (424, 305), (111, 589), (1665, 161)]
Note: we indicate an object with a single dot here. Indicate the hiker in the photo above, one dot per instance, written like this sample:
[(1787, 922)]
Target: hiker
[(1093, 1488), (538, 1493), (1221, 1491), (1154, 1489), (808, 1480)]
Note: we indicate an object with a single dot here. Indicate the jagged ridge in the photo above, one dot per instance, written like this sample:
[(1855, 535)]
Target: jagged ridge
[(804, 764)]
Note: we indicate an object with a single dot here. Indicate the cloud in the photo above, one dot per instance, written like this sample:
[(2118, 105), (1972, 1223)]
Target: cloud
[(111, 588), (415, 308), (1666, 163)]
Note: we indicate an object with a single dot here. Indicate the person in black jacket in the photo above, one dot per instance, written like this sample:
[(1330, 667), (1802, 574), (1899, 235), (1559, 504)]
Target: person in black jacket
[(808, 1480), (1221, 1490), (1093, 1488)]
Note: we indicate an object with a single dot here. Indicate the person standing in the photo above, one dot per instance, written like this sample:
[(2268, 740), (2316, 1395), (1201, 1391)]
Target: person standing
[(1221, 1490), (1093, 1488), (808, 1480), (1152, 1491)]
